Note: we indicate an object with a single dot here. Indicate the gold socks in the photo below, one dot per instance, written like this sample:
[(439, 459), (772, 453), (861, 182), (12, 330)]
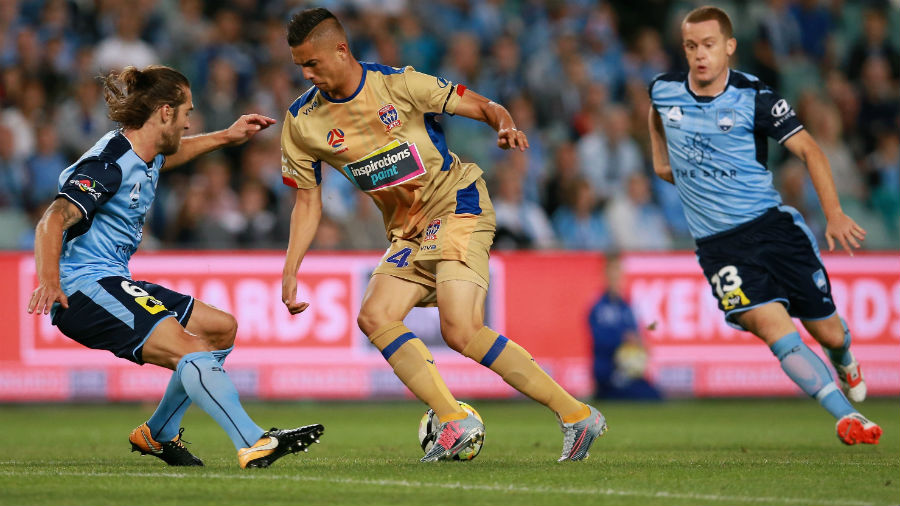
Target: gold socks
[(414, 365), (517, 368)]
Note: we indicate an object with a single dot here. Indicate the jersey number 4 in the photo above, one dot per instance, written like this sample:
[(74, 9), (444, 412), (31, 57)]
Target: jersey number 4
[(400, 258)]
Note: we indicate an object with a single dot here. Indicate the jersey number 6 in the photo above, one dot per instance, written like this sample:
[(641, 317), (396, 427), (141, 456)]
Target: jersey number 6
[(143, 298)]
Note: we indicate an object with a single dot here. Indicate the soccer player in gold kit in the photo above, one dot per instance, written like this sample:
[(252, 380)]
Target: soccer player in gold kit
[(376, 125)]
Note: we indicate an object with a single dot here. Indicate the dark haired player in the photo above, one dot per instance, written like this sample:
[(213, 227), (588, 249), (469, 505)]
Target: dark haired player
[(709, 129), (378, 126), (87, 236)]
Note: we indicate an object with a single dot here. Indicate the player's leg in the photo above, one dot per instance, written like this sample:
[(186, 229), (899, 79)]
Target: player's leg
[(202, 376), (771, 323), (207, 384), (212, 325), (461, 305), (834, 336), (798, 266), (387, 301), (116, 314), (791, 254)]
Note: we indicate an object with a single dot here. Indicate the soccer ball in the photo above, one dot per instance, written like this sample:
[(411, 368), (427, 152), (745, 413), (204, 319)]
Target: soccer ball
[(428, 427)]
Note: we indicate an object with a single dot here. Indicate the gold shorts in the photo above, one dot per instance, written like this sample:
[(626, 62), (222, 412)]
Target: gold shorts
[(463, 238)]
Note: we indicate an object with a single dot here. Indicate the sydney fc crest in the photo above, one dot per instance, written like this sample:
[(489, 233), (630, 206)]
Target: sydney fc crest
[(725, 119), (820, 280), (388, 115)]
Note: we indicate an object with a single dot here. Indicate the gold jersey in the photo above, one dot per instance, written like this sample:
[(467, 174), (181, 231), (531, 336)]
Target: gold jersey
[(386, 140)]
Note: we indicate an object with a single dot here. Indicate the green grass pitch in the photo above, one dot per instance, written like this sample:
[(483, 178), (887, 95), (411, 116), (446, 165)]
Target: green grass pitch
[(710, 452)]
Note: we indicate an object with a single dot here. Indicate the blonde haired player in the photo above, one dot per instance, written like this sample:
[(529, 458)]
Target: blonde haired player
[(708, 130), (376, 125)]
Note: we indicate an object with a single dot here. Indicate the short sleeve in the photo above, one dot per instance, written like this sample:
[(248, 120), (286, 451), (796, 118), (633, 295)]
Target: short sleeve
[(90, 186), (299, 169), (775, 117), (650, 86), (432, 94)]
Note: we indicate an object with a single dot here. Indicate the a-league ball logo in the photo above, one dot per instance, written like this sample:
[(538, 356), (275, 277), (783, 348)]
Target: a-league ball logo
[(335, 138)]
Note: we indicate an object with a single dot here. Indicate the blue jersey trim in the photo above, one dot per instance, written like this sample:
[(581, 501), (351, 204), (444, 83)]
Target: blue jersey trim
[(359, 88), (317, 170), (799, 222), (302, 100), (140, 359), (117, 146), (396, 344), (816, 319), (790, 134), (733, 322), (761, 145), (384, 69), (188, 310), (666, 76), (739, 79), (436, 134), (467, 200), (98, 295), (736, 79), (85, 203), (84, 213), (495, 351)]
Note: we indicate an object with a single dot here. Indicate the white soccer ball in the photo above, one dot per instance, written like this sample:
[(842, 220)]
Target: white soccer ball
[(428, 427)]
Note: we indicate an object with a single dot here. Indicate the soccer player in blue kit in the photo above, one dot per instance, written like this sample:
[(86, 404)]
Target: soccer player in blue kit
[(709, 129), (82, 247)]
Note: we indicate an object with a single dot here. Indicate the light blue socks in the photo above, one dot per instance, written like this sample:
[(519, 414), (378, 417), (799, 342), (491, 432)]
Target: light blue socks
[(808, 371), (166, 420), (840, 355), (209, 386)]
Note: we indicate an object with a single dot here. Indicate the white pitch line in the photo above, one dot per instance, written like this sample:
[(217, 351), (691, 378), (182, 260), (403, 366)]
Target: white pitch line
[(465, 486)]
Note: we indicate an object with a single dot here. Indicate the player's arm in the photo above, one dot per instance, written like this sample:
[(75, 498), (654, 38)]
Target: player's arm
[(472, 105), (304, 222), (238, 133), (840, 226), (660, 153), (48, 239)]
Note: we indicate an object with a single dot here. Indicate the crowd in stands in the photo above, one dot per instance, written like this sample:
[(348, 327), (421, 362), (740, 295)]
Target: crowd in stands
[(573, 73)]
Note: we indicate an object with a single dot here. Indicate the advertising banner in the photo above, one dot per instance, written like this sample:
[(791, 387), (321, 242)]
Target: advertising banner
[(540, 300)]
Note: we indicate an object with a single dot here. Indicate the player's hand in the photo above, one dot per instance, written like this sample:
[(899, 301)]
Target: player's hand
[(511, 138), (289, 294), (843, 229), (44, 296), (246, 127)]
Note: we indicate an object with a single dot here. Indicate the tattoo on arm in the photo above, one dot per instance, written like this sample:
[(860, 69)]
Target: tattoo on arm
[(67, 211)]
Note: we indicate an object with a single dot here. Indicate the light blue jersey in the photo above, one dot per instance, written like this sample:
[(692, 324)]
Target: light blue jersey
[(718, 148), (113, 188)]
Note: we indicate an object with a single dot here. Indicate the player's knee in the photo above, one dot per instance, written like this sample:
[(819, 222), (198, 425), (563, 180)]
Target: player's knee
[(830, 337), (169, 352), (457, 334), (369, 321), (225, 338), (191, 343), (373, 316), (220, 331)]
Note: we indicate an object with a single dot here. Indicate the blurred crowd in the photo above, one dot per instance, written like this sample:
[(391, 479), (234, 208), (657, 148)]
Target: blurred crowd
[(573, 73)]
